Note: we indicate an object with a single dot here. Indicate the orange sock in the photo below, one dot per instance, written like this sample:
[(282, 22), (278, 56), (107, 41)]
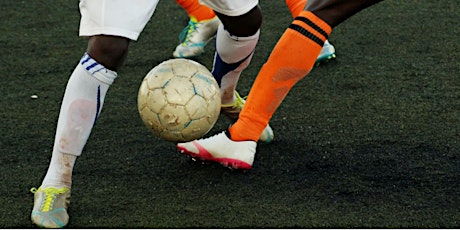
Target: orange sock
[(291, 59), (196, 10), (296, 6)]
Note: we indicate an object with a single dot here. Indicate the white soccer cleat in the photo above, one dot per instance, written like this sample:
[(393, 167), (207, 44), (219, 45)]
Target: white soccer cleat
[(327, 53), (221, 149), (195, 36)]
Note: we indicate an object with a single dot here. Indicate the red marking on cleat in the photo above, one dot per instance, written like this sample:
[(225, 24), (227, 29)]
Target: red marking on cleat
[(204, 155)]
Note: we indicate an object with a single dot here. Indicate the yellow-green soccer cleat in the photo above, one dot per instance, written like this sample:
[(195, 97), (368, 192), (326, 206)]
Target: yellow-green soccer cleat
[(50, 207), (195, 36), (233, 111)]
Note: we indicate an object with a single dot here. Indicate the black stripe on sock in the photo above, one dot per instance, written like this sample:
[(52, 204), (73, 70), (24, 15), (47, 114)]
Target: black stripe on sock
[(307, 34), (312, 25)]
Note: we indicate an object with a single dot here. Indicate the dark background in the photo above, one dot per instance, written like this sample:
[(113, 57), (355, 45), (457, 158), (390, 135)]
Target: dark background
[(370, 140)]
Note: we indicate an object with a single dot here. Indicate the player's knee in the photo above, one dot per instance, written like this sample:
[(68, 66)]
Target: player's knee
[(244, 25), (109, 51)]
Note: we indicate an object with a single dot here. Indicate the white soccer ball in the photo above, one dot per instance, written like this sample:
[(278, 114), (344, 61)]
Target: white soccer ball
[(179, 100)]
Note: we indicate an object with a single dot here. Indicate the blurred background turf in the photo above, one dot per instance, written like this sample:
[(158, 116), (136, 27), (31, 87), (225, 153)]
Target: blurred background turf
[(370, 140)]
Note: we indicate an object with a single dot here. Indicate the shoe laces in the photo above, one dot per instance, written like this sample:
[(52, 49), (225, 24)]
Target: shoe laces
[(238, 103), (184, 36), (50, 196)]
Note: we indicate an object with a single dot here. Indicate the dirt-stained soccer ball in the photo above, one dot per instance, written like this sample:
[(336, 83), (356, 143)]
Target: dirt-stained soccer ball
[(179, 100)]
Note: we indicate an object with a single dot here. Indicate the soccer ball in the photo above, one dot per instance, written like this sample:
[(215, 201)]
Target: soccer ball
[(179, 100)]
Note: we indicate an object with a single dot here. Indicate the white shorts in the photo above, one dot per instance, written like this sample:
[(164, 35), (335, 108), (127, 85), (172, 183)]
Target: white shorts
[(231, 7), (125, 18)]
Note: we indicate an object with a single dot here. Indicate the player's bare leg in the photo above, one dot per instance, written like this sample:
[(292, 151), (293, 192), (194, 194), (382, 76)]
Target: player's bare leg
[(334, 12)]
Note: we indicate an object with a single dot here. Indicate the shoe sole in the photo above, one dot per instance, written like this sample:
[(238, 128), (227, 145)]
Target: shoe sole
[(205, 156)]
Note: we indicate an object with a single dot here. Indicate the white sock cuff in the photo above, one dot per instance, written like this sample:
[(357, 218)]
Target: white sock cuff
[(232, 49), (97, 70)]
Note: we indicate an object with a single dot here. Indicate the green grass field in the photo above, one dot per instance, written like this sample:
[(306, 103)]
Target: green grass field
[(370, 140)]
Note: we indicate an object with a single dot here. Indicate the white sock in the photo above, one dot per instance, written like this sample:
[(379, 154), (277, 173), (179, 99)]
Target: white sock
[(233, 54), (81, 105)]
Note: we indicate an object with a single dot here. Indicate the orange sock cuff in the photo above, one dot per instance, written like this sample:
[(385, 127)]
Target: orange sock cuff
[(313, 24), (291, 59), (202, 13)]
